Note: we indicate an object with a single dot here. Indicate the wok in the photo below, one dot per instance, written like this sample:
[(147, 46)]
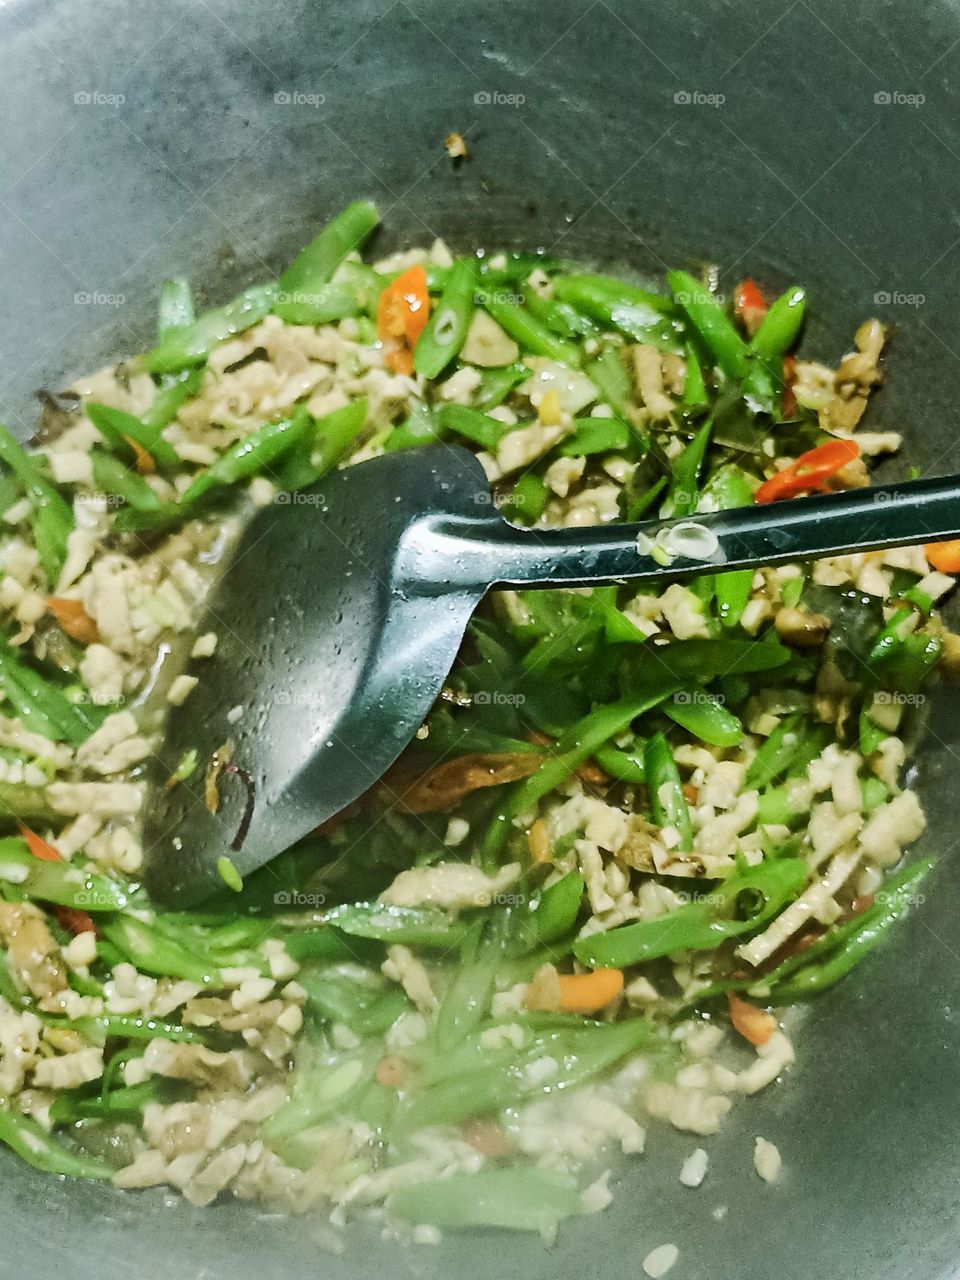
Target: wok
[(809, 141)]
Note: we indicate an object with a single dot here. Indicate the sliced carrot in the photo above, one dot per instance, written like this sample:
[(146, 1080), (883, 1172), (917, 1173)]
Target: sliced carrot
[(72, 918), (73, 618), (755, 1025), (810, 471), (39, 847), (749, 305), (944, 556), (145, 463), (589, 992), (402, 314)]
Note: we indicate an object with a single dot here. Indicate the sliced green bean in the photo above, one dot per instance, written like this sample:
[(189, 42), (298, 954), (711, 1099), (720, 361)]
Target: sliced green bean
[(43, 707), (638, 313), (869, 931), (364, 1008), (711, 323), (328, 302), (780, 327), (412, 926), (694, 386), (627, 766), (479, 428), (611, 379), (326, 441), (733, 590), (176, 309), (598, 435), (114, 478), (532, 335), (29, 877), (52, 520), (165, 406), (320, 259), (557, 909), (421, 427), (33, 1144), (496, 384), (528, 500), (684, 492), (118, 427), (148, 949), (778, 752), (447, 327), (705, 716), (576, 745), (472, 1080), (701, 925), (18, 800), (181, 348), (250, 455), (512, 1199), (561, 317), (667, 801)]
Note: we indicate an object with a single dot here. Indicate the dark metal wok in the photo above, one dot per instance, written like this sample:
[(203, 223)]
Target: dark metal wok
[(809, 141)]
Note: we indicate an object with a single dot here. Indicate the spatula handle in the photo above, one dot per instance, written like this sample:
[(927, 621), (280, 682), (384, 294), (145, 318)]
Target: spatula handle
[(892, 515)]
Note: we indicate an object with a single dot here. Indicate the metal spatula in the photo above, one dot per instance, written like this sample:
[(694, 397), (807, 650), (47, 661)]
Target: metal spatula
[(342, 608)]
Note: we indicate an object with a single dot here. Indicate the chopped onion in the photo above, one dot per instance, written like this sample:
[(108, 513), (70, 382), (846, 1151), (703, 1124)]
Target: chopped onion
[(691, 540)]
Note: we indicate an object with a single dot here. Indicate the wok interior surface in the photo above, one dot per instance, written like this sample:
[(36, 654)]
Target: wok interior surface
[(798, 141)]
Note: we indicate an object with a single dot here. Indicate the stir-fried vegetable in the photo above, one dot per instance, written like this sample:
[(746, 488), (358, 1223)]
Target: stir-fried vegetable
[(627, 805)]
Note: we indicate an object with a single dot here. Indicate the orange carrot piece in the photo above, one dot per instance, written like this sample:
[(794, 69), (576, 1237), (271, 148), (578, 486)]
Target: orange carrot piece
[(755, 1025), (944, 556), (589, 992), (145, 463), (73, 618), (402, 314)]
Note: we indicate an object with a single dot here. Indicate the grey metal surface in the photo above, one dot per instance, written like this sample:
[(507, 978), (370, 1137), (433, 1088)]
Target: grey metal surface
[(798, 173), (341, 615)]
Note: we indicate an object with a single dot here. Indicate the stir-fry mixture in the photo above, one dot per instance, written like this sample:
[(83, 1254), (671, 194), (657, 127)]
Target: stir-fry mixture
[(634, 829)]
